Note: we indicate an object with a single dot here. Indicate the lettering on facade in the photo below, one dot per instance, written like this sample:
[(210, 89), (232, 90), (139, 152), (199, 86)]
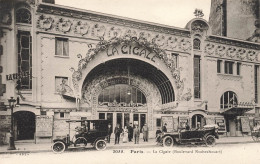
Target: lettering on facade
[(16, 76), (131, 50), (123, 109)]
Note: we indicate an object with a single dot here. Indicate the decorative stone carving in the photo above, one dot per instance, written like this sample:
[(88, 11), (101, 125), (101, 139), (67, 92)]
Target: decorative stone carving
[(64, 25), (45, 23), (185, 44), (241, 54), (210, 48), (159, 40), (114, 32), (187, 96), (64, 89), (130, 34), (251, 55), (199, 27), (172, 42), (220, 50), (231, 52), (145, 36), (5, 17), (98, 31), (82, 28)]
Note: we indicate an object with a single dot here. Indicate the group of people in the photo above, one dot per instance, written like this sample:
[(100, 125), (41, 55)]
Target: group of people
[(128, 133)]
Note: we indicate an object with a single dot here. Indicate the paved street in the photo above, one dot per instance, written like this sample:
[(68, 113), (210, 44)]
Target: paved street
[(242, 153)]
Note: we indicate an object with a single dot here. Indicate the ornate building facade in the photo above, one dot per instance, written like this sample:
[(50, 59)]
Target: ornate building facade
[(65, 64)]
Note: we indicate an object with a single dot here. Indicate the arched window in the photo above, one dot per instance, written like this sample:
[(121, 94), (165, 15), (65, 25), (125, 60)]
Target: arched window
[(23, 16), (121, 95), (196, 44), (228, 99)]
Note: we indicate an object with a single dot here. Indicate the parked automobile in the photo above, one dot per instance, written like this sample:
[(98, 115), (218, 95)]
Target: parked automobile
[(92, 132), (206, 135)]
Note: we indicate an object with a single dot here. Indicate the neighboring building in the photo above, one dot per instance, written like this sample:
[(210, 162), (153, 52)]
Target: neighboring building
[(64, 63), (236, 19)]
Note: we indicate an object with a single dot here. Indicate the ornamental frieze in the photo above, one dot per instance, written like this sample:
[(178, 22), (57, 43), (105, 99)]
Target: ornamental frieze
[(101, 31), (220, 50)]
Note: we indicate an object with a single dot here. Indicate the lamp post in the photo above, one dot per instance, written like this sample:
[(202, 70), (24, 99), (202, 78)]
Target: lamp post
[(11, 140)]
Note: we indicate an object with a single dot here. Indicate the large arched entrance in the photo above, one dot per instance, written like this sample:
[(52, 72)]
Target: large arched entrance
[(24, 125), (126, 91)]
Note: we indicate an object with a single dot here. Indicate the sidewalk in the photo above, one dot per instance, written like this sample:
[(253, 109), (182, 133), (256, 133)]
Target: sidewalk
[(46, 147)]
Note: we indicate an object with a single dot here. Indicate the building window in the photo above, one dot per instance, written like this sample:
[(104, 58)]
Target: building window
[(238, 68), (256, 82), (196, 44), (62, 115), (23, 16), (43, 113), (228, 99), (25, 59), (101, 116), (197, 82), (175, 58), (219, 64), (61, 47), (158, 122), (60, 82), (229, 67), (121, 95)]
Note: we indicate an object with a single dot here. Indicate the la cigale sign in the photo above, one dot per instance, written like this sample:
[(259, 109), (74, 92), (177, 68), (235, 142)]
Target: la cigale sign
[(131, 50)]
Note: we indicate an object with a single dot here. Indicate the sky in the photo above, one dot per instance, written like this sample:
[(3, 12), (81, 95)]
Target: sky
[(168, 12)]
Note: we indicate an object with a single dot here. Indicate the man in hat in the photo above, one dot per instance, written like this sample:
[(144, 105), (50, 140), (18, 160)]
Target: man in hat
[(130, 132), (117, 132), (164, 129)]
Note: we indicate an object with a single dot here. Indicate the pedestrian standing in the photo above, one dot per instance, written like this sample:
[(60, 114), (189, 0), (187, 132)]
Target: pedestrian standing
[(109, 132), (136, 134), (145, 132), (164, 129), (117, 132), (130, 132), (125, 134)]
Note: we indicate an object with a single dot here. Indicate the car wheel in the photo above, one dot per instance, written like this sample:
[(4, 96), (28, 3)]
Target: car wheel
[(210, 140), (58, 147), (101, 145), (167, 141)]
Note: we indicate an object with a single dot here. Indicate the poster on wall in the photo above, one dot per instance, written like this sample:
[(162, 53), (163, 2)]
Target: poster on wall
[(182, 121), (44, 126), (245, 124), (169, 121), (220, 121)]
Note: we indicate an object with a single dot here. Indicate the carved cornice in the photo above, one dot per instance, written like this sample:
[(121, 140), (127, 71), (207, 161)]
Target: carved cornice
[(233, 42), (98, 17), (229, 77), (232, 52)]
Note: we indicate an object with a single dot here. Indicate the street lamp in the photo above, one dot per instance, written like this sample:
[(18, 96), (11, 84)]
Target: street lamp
[(11, 140)]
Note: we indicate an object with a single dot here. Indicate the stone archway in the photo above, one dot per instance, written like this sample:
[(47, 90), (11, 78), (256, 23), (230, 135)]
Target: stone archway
[(144, 50)]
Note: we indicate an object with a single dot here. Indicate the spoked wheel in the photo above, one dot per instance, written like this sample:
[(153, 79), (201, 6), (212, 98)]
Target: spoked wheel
[(101, 145), (210, 140), (168, 141), (80, 142), (58, 147)]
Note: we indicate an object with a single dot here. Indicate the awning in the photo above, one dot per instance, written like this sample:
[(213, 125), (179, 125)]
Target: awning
[(236, 110)]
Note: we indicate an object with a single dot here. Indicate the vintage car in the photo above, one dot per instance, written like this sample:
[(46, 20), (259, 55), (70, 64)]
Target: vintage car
[(95, 134), (206, 135)]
